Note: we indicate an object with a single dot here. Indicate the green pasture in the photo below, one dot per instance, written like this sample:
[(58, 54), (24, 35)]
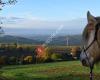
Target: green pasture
[(67, 70)]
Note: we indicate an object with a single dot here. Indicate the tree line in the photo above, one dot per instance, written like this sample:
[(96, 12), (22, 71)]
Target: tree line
[(11, 54)]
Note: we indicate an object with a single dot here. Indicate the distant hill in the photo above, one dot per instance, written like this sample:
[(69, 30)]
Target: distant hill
[(64, 40), (58, 40), (21, 40)]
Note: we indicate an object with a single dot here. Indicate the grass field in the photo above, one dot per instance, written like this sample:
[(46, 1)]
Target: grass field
[(68, 70)]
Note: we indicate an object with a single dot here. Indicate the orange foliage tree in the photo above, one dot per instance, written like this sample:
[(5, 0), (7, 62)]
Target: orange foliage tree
[(74, 51), (40, 50)]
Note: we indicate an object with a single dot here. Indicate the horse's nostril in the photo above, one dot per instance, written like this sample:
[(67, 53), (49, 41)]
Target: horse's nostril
[(83, 61)]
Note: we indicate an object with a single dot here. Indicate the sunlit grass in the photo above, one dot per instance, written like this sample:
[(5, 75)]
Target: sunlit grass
[(68, 70)]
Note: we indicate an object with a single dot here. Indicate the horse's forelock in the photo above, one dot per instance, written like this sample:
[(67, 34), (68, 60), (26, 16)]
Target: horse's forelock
[(85, 34)]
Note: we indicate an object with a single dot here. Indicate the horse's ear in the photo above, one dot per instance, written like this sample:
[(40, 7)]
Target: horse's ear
[(90, 18)]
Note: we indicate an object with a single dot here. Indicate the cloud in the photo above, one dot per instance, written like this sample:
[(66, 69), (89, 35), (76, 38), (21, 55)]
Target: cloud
[(13, 25), (15, 22)]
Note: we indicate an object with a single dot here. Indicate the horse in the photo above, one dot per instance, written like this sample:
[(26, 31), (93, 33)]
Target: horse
[(90, 54)]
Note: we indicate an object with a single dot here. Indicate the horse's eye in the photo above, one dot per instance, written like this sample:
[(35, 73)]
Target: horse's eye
[(90, 26)]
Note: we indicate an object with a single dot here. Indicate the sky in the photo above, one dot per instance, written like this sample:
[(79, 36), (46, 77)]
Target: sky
[(40, 14), (52, 9)]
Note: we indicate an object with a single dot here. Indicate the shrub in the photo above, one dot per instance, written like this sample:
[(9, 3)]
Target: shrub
[(12, 60), (4, 60), (28, 59), (47, 55), (56, 57)]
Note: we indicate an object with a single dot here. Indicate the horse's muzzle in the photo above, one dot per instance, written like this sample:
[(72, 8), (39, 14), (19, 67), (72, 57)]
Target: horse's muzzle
[(84, 62)]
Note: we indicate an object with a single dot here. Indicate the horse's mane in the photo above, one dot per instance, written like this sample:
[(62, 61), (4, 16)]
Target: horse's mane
[(85, 34)]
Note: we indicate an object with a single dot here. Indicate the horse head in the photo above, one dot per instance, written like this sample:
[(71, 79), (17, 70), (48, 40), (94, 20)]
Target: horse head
[(91, 41)]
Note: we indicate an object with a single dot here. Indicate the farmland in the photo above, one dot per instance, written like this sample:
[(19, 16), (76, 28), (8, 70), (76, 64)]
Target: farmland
[(67, 70)]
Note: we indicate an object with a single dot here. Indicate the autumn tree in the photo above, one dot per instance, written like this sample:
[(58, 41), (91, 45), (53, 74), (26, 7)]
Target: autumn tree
[(40, 51), (28, 59), (75, 51)]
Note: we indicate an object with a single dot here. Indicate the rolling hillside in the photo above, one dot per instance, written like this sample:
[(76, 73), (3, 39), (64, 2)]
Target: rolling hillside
[(58, 40), (20, 40)]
